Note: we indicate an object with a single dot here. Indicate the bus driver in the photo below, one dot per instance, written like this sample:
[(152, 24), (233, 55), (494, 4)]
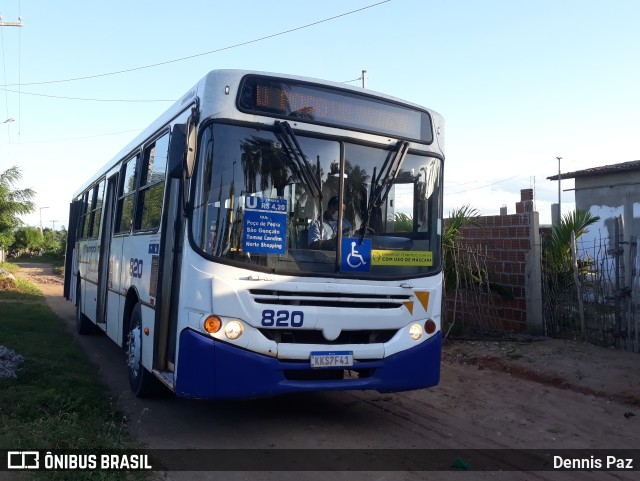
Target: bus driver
[(323, 233)]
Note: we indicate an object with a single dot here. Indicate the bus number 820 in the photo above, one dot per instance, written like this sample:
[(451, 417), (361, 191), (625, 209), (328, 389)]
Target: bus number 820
[(282, 318)]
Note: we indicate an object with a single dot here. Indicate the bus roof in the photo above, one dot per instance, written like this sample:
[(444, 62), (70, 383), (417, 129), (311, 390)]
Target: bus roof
[(227, 77)]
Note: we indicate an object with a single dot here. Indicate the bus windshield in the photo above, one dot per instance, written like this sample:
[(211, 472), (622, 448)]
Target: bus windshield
[(264, 205)]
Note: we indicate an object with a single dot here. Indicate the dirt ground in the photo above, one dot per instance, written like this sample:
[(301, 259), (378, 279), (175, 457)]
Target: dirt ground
[(576, 366), (540, 394), (40, 274)]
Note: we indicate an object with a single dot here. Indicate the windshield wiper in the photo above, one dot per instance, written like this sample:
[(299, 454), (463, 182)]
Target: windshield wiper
[(382, 183), (302, 166)]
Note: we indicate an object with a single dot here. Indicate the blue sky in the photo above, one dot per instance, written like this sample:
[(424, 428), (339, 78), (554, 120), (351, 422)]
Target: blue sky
[(518, 83)]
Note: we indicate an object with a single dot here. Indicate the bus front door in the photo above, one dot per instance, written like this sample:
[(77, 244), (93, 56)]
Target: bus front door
[(105, 250)]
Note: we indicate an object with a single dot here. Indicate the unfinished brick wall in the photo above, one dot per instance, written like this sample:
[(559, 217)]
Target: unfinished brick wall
[(512, 246)]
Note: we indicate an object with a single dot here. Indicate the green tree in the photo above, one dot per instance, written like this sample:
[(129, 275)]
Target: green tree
[(61, 237), (402, 222), (558, 246), (459, 271), (50, 242), (13, 203), (558, 280), (28, 239), (556, 252), (454, 274)]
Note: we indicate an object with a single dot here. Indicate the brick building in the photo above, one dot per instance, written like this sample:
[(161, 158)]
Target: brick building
[(512, 246)]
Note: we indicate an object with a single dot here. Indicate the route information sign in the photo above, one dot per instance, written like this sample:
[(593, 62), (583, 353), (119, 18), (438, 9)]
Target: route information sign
[(265, 225)]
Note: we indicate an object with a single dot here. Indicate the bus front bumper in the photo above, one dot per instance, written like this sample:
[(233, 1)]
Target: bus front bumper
[(210, 369)]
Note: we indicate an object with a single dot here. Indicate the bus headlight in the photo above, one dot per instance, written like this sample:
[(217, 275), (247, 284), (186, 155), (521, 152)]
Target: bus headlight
[(233, 330), (415, 331)]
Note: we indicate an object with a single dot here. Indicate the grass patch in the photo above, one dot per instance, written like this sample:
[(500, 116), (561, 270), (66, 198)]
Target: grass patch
[(57, 400), (10, 267), (18, 288), (27, 288)]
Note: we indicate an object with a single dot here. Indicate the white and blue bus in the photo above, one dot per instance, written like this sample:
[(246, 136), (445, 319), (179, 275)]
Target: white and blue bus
[(267, 234)]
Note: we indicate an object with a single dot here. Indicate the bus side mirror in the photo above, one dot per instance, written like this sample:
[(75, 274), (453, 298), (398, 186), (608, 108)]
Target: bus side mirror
[(182, 151), (177, 145), (190, 159)]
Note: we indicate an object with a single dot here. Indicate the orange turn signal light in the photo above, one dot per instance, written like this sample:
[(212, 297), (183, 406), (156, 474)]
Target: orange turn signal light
[(212, 324)]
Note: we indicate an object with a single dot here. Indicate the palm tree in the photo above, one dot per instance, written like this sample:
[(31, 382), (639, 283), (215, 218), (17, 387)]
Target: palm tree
[(13, 202), (355, 191), (402, 222), (465, 215), (557, 248), (558, 279)]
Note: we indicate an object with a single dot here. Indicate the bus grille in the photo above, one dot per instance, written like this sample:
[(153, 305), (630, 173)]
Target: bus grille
[(329, 299), (302, 336)]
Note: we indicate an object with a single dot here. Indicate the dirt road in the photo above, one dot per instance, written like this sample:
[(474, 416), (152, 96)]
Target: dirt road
[(542, 395)]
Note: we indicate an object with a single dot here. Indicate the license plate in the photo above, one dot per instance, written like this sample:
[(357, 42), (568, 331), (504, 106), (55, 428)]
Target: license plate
[(331, 359)]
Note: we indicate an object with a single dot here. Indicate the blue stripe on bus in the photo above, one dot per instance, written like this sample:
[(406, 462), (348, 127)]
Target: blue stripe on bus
[(214, 370)]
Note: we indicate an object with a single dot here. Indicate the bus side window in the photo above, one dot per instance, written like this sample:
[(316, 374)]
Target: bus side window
[(97, 210), (126, 197), (154, 166), (86, 215)]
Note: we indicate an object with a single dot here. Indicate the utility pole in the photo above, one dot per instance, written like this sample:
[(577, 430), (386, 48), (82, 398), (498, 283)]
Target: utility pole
[(559, 183), (364, 79), (11, 24), (41, 229)]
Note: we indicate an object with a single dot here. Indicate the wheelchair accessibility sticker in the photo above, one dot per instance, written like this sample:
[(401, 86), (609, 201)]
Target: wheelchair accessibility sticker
[(355, 257)]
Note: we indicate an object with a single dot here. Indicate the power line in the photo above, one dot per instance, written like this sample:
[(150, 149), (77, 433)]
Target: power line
[(81, 138), (483, 186), (465, 183), (87, 99), (241, 44)]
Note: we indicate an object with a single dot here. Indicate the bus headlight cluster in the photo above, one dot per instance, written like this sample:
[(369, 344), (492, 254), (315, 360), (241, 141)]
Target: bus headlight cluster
[(232, 329), (416, 330)]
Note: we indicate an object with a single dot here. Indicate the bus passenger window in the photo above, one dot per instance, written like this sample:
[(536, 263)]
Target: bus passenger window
[(152, 185), (96, 196), (127, 193), (86, 215)]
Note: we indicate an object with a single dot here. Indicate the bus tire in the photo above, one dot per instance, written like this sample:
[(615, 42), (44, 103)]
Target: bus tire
[(142, 382), (83, 325)]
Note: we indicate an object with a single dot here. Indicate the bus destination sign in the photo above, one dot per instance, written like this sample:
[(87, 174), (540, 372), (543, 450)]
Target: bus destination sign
[(332, 106), (265, 225)]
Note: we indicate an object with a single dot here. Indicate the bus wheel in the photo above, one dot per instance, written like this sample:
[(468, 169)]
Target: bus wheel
[(83, 324), (142, 382)]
